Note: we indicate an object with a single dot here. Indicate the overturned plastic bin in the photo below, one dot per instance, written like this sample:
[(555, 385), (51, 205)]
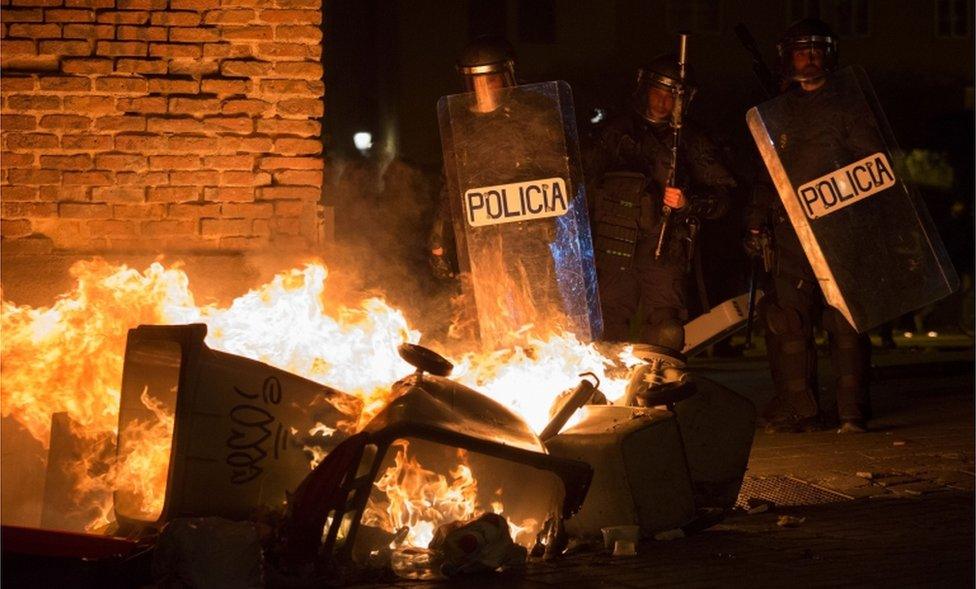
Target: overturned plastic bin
[(439, 425), (206, 433)]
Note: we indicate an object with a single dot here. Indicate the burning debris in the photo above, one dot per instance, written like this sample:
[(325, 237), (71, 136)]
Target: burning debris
[(232, 414)]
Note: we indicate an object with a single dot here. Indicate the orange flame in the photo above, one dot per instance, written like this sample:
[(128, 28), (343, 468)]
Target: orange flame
[(68, 358)]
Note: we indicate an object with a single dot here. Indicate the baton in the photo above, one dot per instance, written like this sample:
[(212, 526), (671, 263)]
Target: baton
[(676, 112)]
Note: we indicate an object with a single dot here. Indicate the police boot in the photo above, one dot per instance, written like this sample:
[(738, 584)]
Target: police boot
[(792, 360), (850, 355)]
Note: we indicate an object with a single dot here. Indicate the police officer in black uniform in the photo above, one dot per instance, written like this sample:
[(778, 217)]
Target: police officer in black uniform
[(794, 305), (627, 168)]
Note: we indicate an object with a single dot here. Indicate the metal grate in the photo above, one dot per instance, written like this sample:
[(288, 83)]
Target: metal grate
[(784, 490)]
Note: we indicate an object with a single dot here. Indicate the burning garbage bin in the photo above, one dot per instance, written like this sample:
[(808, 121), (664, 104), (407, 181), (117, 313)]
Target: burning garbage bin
[(438, 453), (206, 433)]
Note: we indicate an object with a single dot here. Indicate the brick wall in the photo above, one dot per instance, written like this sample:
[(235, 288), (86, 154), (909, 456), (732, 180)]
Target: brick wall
[(160, 125)]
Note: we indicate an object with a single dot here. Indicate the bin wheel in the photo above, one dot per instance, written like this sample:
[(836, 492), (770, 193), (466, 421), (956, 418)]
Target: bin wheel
[(425, 359)]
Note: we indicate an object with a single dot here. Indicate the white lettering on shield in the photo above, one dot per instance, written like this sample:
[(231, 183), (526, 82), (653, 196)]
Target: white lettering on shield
[(522, 201), (840, 188)]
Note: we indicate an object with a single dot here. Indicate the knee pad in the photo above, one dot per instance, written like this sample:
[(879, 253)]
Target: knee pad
[(665, 329)]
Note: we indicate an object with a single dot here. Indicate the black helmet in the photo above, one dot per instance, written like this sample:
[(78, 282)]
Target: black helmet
[(486, 56), (662, 72), (809, 32)]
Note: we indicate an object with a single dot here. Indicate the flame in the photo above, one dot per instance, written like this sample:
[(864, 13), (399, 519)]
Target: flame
[(68, 358)]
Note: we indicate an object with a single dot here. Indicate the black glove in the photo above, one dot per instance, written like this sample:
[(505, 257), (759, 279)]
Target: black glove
[(753, 243), (440, 266)]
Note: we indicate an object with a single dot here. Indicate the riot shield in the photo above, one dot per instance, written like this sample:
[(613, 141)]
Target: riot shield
[(518, 203), (867, 236)]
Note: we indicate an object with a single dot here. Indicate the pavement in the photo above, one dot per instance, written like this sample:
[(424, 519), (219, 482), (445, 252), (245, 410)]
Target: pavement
[(895, 505)]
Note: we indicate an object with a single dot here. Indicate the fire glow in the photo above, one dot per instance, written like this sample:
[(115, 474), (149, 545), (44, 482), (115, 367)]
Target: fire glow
[(68, 358)]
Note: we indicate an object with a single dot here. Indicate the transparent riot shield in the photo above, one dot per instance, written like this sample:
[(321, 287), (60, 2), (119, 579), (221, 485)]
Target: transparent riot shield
[(866, 234), (518, 202)]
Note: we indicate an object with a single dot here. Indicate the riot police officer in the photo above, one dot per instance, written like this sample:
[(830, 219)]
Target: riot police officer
[(485, 65), (794, 304), (627, 169)]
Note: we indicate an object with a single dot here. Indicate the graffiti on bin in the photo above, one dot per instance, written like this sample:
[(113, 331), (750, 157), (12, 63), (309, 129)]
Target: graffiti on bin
[(250, 434)]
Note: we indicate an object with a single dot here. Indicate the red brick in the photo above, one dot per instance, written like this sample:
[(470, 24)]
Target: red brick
[(307, 177), (115, 194), (34, 31), (289, 127), (87, 142), (194, 35), (193, 67), (194, 210), (287, 225), (219, 227), (20, 210), (198, 5), (9, 159), (167, 227), (141, 178), (194, 178), (280, 50), (194, 105), (37, 3), (174, 193), (299, 87), (64, 193), (249, 209), (290, 208), (66, 162), (293, 146), (65, 84), (14, 228), (176, 125), (147, 105), (31, 63), (248, 106), (68, 15), (314, 52), (302, 70), (291, 163), (122, 48), (142, 4), (19, 48), (289, 192), (175, 50), (242, 242), (245, 68), (246, 33), (309, 107), (130, 33), (17, 123), (298, 33), (113, 227), (174, 162), (140, 143), (12, 16), (17, 83), (241, 3), (86, 66), (120, 161), (65, 48), (18, 193), (313, 17), (31, 102), (176, 19), (124, 17), (89, 104), (65, 122), (229, 193), (230, 17), (121, 123), (244, 178), (229, 162), (165, 86), (90, 3), (139, 211), (227, 50), (227, 86), (75, 31), (78, 210), (256, 144), (121, 85), (317, 4), (30, 140), (239, 125), (94, 178), (141, 66), (192, 144)]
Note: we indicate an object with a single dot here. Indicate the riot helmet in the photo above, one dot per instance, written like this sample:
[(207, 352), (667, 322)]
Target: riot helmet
[(807, 50), (486, 65), (656, 87)]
